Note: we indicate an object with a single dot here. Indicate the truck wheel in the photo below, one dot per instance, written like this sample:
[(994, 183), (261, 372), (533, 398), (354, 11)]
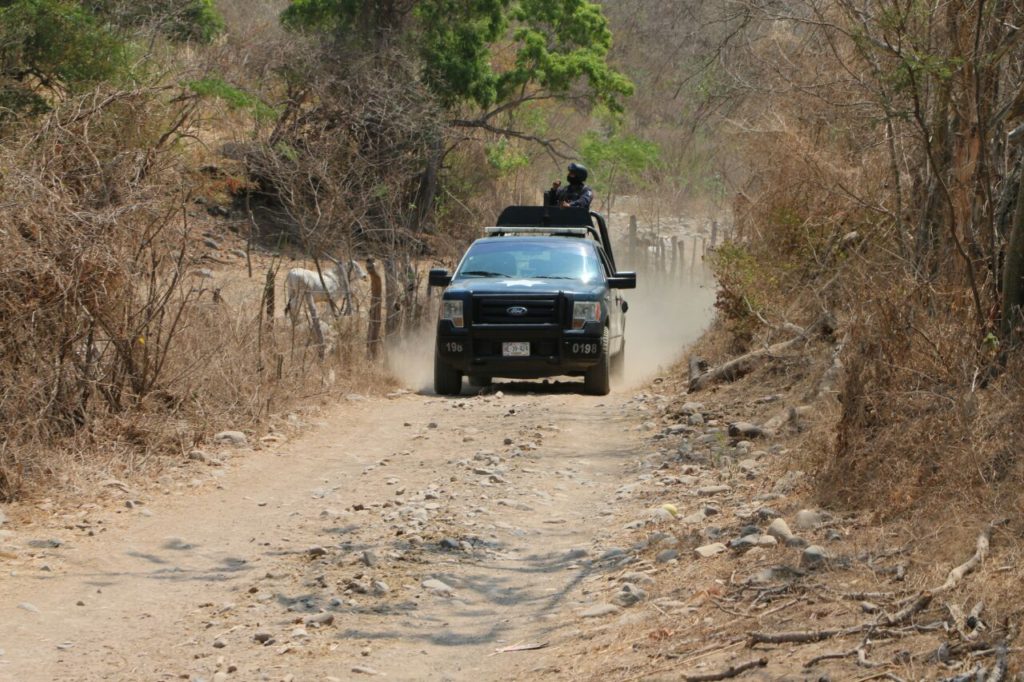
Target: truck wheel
[(447, 380), (598, 378), (479, 381), (618, 369)]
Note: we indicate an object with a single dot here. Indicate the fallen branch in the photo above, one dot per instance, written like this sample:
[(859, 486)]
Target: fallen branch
[(732, 671), (803, 637), (909, 610), (737, 367), (980, 552)]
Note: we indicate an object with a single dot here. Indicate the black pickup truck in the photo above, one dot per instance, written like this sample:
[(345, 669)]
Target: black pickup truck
[(537, 297)]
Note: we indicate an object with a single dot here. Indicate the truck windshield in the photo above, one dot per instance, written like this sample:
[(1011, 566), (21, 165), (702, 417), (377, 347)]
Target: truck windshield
[(544, 258)]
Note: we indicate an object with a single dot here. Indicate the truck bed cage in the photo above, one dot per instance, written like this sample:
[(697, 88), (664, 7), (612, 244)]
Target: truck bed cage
[(544, 218)]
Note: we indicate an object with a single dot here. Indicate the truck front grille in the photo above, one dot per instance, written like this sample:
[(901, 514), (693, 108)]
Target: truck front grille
[(502, 310)]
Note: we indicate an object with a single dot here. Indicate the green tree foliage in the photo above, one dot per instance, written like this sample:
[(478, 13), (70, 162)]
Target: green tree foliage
[(557, 45), (49, 48), (623, 159), (180, 20)]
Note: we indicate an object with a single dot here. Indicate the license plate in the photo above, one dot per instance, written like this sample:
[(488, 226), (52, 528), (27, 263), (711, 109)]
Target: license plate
[(515, 348)]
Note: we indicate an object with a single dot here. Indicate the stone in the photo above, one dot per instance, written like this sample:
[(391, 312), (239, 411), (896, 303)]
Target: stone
[(708, 491), (219, 643), (748, 465), (437, 587), (598, 610), (695, 517), (319, 620), (236, 438), (814, 557), (629, 594), (263, 637), (744, 543), (788, 482), (450, 543), (612, 553), (779, 530), (380, 587), (695, 419), (31, 608), (766, 541), (666, 555), (315, 552), (745, 430), (576, 553), (364, 670), (370, 558), (808, 519), (689, 408), (198, 456), (708, 551), (637, 578)]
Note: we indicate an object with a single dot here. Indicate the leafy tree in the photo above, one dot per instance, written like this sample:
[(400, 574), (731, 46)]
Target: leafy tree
[(558, 44), (49, 48), (624, 159), (180, 20)]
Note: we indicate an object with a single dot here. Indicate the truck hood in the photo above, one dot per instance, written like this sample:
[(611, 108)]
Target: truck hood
[(518, 286)]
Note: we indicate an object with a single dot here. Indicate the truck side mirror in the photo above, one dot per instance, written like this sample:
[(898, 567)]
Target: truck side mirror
[(622, 280), (439, 277)]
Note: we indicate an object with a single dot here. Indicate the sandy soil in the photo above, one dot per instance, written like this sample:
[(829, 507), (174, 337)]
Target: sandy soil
[(488, 494)]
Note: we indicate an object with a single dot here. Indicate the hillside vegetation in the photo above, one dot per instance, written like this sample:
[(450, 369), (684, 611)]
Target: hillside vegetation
[(868, 155)]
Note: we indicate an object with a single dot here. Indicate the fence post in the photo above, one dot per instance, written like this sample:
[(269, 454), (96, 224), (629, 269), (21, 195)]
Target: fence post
[(714, 233), (632, 241), (373, 329)]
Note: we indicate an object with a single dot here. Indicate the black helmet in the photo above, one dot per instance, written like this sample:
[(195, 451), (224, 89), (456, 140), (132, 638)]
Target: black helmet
[(578, 170)]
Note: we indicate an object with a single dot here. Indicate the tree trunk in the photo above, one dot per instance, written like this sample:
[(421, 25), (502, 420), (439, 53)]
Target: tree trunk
[(1013, 276), (392, 297)]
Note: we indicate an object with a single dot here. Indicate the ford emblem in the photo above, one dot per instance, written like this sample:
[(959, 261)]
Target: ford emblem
[(516, 311)]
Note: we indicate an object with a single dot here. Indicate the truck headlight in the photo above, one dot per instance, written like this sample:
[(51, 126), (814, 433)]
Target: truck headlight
[(452, 310), (585, 311)]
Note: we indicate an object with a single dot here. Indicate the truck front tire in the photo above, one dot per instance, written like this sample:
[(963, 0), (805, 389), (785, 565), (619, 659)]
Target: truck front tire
[(447, 379), (597, 380)]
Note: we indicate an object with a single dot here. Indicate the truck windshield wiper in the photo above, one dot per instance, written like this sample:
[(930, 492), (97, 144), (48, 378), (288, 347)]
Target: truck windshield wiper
[(483, 273), (555, 277)]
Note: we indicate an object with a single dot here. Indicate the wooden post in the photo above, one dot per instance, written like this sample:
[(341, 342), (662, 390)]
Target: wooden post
[(675, 255), (268, 295), (714, 233), (373, 329), (632, 241), (693, 259)]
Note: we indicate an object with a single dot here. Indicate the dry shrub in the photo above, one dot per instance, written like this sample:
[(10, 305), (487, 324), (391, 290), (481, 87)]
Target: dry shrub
[(923, 424), (112, 352)]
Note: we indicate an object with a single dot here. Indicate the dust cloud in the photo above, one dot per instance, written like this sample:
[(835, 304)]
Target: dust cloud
[(664, 316)]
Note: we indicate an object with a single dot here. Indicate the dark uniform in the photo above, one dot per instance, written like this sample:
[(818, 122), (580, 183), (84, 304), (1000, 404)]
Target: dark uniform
[(577, 193)]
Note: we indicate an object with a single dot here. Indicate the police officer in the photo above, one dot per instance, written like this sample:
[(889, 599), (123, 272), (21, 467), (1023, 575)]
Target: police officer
[(577, 194)]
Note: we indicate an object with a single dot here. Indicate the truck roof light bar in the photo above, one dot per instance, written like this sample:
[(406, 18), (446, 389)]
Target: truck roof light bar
[(568, 231)]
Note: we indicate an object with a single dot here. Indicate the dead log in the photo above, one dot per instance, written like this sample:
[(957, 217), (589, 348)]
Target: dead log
[(697, 367), (738, 367), (732, 671)]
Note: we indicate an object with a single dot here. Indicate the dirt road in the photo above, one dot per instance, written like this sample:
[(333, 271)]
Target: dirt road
[(325, 548)]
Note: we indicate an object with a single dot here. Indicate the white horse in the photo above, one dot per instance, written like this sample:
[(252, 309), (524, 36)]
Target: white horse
[(317, 287)]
